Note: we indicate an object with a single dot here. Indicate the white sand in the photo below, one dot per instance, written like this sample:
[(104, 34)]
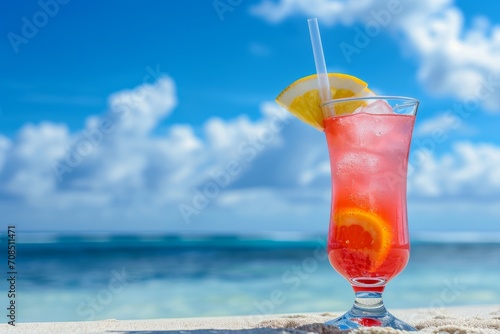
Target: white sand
[(462, 320)]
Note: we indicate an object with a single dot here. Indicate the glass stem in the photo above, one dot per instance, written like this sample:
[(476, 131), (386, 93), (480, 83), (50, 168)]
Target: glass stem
[(368, 304), (368, 311)]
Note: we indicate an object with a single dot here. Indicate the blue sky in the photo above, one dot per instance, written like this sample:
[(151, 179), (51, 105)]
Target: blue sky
[(121, 116)]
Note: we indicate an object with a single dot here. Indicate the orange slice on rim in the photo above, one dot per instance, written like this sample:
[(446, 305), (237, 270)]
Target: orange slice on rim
[(363, 232), (302, 99)]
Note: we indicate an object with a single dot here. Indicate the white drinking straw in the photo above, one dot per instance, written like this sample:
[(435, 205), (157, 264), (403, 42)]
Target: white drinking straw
[(319, 60)]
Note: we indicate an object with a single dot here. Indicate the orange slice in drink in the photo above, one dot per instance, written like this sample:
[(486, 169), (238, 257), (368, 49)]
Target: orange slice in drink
[(363, 232), (302, 99)]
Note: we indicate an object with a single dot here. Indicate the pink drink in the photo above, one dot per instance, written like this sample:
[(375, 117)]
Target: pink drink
[(368, 239)]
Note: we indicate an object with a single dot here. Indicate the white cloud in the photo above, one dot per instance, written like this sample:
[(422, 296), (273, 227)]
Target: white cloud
[(329, 12), (454, 60), (347, 12), (470, 171), (116, 160), (139, 110), (106, 161), (441, 125), (26, 171)]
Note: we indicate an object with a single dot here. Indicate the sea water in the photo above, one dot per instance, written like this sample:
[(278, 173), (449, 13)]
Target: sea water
[(77, 278)]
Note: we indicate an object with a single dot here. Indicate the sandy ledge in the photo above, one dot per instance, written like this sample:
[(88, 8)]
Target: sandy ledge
[(459, 320)]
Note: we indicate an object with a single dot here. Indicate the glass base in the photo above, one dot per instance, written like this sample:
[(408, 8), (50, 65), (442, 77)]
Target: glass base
[(368, 311)]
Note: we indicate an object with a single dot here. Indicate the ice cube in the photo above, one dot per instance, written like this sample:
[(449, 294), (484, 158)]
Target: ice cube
[(404, 109), (377, 107)]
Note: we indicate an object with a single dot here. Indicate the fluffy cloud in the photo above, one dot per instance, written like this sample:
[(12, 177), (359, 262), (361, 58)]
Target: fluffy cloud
[(469, 171), (330, 12), (116, 160), (442, 124), (24, 173), (454, 60)]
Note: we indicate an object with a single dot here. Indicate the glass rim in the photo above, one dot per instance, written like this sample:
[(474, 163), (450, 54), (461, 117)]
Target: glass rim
[(409, 100)]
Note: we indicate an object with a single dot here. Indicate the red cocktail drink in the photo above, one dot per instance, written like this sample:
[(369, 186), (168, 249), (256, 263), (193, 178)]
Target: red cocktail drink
[(368, 240)]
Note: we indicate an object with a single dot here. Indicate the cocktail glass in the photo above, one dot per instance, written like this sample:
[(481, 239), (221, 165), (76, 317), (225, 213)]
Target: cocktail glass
[(368, 241)]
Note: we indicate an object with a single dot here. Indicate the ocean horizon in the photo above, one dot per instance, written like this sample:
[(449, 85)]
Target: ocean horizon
[(238, 239), (92, 276)]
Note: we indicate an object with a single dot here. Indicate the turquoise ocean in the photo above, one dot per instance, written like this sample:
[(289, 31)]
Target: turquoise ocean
[(92, 277)]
